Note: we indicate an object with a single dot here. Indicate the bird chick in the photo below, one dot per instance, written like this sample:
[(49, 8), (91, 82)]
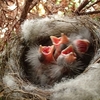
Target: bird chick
[(66, 60), (71, 64), (67, 56), (40, 59), (38, 55), (59, 43), (46, 54), (81, 45)]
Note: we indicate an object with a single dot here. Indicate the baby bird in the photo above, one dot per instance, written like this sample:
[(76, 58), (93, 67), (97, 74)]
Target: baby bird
[(69, 54), (46, 54), (59, 43), (66, 59), (40, 55), (81, 45)]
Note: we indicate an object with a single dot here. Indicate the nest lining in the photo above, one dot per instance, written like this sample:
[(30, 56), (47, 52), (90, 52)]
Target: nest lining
[(16, 85)]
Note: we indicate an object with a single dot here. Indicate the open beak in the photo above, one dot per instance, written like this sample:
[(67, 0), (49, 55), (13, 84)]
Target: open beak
[(59, 43), (68, 50), (47, 53), (81, 45), (69, 54)]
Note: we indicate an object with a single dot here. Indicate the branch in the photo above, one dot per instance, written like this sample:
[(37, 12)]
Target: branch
[(91, 5), (34, 3), (89, 13), (82, 5), (26, 9)]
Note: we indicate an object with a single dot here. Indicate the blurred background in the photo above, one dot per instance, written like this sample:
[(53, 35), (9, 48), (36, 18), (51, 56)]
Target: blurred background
[(14, 12)]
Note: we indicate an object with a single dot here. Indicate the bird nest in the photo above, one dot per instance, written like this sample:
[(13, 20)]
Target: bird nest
[(14, 82)]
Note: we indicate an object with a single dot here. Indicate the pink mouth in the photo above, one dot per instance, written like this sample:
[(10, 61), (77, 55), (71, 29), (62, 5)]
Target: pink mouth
[(47, 52), (82, 45), (61, 40), (69, 54)]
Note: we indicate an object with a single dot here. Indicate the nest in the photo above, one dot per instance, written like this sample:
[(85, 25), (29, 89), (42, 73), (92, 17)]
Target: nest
[(15, 85)]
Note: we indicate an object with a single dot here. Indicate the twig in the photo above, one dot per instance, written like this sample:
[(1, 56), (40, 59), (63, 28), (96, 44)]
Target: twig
[(34, 3), (82, 5), (27, 8), (91, 5), (89, 13)]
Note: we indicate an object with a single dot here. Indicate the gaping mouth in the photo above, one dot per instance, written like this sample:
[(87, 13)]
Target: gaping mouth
[(47, 52), (69, 54), (81, 45), (61, 40), (68, 50)]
